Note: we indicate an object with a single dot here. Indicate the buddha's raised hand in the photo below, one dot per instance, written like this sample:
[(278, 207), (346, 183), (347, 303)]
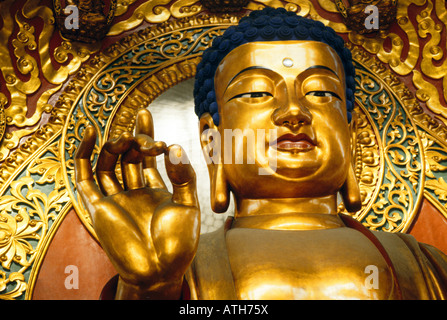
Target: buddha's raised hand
[(149, 234)]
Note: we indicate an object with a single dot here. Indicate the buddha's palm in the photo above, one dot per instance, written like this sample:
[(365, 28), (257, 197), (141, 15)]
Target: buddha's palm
[(149, 234)]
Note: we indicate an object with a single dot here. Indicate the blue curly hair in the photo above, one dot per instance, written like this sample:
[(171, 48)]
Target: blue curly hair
[(266, 25)]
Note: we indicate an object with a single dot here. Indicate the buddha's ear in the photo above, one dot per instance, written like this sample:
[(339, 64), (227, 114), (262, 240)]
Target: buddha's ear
[(210, 141), (350, 191), (353, 134)]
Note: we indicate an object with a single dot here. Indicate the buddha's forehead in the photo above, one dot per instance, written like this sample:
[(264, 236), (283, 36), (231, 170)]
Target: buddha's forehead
[(283, 57)]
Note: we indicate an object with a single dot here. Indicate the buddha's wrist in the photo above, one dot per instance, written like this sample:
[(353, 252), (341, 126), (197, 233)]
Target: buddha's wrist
[(159, 291)]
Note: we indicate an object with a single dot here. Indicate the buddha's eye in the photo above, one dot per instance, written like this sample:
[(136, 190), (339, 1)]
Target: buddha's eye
[(253, 95), (323, 94)]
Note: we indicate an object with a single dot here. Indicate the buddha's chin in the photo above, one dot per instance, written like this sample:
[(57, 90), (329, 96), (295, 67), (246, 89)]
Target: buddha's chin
[(297, 174)]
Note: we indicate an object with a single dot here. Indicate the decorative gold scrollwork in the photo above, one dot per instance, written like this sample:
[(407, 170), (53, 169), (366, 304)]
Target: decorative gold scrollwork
[(388, 157), (35, 63), (26, 215), (435, 170), (2, 117)]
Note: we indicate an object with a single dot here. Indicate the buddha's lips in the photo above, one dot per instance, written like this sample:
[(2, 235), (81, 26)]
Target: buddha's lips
[(295, 142)]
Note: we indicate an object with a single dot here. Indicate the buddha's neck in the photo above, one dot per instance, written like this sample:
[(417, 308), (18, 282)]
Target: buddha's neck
[(287, 214)]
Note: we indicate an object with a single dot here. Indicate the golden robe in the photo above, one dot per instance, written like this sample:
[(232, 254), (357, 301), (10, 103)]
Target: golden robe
[(419, 271)]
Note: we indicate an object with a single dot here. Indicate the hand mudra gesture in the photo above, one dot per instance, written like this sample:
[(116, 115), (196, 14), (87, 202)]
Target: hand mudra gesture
[(149, 234)]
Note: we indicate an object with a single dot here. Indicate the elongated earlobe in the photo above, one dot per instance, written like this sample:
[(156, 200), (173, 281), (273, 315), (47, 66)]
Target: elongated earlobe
[(219, 188), (350, 192), (220, 192)]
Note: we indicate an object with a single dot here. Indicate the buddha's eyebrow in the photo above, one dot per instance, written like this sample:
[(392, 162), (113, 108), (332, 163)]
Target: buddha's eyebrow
[(325, 68), (242, 71)]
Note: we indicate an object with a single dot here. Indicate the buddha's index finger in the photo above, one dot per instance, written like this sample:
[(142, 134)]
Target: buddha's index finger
[(85, 182)]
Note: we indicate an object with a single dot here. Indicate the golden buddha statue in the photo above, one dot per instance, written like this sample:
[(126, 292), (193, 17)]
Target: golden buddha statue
[(289, 81)]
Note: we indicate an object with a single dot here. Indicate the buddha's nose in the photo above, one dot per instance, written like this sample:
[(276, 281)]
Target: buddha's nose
[(292, 115)]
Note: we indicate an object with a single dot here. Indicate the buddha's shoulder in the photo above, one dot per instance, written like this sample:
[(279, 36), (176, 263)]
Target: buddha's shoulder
[(405, 244), (421, 268)]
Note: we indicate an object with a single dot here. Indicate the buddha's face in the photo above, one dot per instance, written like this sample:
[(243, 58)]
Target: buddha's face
[(290, 96)]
